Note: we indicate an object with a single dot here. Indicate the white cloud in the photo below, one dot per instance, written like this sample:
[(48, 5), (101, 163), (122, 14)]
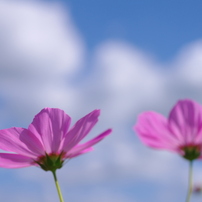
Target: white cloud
[(189, 64), (42, 35), (40, 49)]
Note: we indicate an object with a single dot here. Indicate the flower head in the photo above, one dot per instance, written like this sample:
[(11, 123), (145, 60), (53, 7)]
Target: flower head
[(181, 132), (48, 141)]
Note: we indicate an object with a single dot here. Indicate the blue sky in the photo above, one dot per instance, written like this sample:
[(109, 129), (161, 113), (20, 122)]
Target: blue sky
[(158, 27), (120, 57)]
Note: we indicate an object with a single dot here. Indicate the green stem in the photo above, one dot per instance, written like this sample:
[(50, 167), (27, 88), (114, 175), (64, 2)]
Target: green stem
[(57, 186), (190, 181)]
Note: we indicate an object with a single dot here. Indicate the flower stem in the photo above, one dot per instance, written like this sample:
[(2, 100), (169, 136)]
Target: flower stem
[(190, 181), (57, 186)]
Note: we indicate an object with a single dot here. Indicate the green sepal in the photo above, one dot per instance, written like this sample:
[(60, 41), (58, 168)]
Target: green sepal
[(191, 152), (50, 162)]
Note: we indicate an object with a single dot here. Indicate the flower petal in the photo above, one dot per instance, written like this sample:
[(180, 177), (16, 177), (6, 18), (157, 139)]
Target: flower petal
[(21, 141), (14, 161), (77, 150), (72, 155), (80, 130), (185, 121), (152, 129), (51, 125)]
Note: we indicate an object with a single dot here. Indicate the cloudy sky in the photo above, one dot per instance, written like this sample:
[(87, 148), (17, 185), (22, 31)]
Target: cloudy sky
[(118, 56)]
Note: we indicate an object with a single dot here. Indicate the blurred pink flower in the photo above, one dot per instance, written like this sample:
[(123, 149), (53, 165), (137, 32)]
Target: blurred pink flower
[(181, 132), (197, 189), (48, 141)]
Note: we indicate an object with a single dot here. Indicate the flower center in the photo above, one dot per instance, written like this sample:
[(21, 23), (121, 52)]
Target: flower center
[(191, 152), (51, 162)]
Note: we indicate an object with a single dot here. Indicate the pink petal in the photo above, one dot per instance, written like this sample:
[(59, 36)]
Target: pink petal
[(21, 141), (14, 161), (185, 121), (77, 150), (80, 130), (151, 128), (72, 155), (51, 125)]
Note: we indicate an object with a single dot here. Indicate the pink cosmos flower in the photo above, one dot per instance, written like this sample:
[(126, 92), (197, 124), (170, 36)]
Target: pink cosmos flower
[(181, 132), (48, 141)]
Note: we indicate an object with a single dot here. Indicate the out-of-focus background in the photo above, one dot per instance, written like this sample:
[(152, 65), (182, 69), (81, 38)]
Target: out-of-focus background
[(122, 57)]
